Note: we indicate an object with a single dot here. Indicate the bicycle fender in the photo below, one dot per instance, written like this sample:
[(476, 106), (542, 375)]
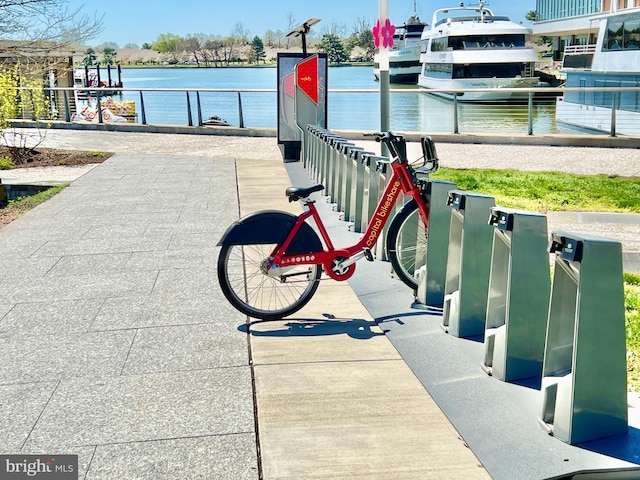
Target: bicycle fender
[(272, 226), (410, 205)]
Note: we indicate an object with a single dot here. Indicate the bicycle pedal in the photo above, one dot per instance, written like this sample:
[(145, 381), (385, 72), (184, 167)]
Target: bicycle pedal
[(367, 254)]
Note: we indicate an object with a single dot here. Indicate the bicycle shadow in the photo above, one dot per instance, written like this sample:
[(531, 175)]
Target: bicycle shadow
[(356, 328)]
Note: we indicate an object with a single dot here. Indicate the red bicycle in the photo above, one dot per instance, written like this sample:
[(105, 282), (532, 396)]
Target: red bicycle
[(271, 261)]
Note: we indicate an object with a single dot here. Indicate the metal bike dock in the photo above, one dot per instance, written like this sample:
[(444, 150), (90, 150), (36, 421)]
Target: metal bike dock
[(331, 188), (431, 269), (345, 178), (518, 300), (371, 191), (312, 146), (468, 264), (354, 185), (584, 381)]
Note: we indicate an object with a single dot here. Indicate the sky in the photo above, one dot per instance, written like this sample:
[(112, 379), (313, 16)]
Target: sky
[(140, 21)]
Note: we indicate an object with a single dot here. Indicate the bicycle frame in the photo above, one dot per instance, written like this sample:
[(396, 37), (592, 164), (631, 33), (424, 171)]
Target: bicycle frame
[(338, 263)]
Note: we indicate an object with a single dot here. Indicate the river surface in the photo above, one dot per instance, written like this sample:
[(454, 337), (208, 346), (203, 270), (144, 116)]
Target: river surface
[(415, 110)]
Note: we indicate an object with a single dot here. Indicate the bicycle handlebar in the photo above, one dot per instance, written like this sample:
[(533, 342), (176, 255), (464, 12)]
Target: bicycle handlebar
[(392, 140), (385, 137)]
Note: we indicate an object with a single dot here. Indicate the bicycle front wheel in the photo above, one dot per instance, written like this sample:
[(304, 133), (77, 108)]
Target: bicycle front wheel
[(245, 283), (406, 243)]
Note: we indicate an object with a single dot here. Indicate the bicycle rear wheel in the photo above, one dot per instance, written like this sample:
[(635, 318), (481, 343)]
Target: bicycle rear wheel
[(406, 243), (243, 280)]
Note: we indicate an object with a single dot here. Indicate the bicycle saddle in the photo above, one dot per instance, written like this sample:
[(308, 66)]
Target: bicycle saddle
[(296, 193)]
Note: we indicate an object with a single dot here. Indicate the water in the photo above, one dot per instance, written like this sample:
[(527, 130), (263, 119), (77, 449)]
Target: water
[(415, 110)]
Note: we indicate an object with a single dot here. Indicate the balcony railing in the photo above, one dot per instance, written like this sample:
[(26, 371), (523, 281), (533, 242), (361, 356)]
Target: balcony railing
[(412, 109)]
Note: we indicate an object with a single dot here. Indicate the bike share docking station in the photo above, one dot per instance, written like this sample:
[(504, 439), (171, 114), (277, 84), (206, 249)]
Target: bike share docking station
[(584, 377), (518, 296), (468, 264), (302, 96)]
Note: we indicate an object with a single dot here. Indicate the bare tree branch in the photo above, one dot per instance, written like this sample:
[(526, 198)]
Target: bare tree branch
[(38, 21)]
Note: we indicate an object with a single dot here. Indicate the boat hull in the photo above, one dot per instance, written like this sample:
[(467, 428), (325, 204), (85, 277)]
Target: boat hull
[(404, 65), (591, 118), (499, 88)]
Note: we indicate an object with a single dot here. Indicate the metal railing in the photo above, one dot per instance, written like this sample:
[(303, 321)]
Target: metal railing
[(419, 114)]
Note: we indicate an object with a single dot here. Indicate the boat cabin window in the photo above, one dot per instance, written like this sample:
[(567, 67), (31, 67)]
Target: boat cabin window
[(439, 44), (473, 42), (488, 70), (623, 33)]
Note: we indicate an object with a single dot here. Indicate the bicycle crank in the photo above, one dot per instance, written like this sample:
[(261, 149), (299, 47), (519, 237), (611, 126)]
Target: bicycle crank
[(343, 267)]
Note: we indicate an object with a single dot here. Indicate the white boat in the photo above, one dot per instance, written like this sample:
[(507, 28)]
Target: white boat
[(470, 47), (614, 61), (404, 57)]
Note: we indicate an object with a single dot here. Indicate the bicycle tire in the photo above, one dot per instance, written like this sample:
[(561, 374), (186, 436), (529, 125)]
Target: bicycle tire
[(258, 295), (406, 243)]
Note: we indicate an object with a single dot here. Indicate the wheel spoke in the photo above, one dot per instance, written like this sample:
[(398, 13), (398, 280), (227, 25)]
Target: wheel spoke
[(243, 279)]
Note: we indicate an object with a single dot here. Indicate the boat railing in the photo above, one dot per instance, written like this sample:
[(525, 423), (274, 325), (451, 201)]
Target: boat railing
[(579, 49), (142, 106)]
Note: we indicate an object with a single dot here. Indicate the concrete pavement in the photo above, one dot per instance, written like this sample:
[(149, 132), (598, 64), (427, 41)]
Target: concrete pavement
[(118, 346)]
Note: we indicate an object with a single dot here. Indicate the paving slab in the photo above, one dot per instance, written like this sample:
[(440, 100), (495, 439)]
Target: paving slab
[(158, 311), (133, 408), (20, 406), (367, 419), (45, 358), (49, 318), (184, 348), (227, 456)]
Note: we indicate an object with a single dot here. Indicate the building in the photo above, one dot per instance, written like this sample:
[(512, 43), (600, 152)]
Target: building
[(573, 22), (44, 61)]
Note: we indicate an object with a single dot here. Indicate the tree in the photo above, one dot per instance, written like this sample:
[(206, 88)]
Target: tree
[(212, 48), (147, 46), (104, 45), (240, 34), (193, 45), (108, 55), (362, 37), (171, 45), (37, 21), (90, 57), (332, 46), (531, 15), (291, 24), (16, 103), (272, 39), (257, 50), (337, 29)]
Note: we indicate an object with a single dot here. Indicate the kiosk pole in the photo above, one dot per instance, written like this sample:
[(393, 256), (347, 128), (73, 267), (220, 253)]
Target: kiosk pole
[(383, 56)]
